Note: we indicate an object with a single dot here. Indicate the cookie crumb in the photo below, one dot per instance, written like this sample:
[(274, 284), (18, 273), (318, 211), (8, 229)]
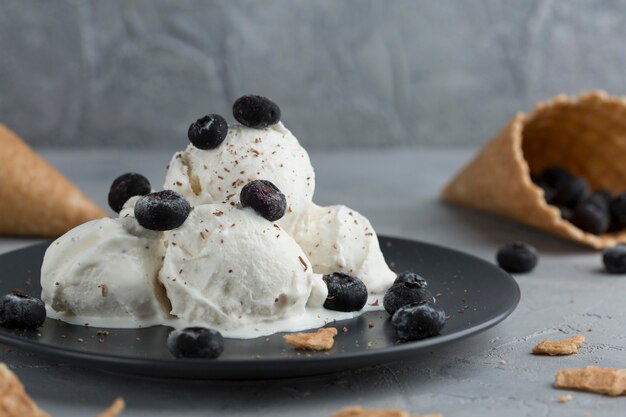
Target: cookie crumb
[(375, 303), (345, 329), (609, 381), (115, 409), (557, 348), (564, 399), (323, 339), (363, 412)]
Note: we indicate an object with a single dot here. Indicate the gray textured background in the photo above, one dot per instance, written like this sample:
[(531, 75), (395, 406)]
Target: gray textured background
[(345, 73)]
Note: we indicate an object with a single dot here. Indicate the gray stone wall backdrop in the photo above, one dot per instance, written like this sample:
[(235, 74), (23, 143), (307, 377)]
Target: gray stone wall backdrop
[(351, 73)]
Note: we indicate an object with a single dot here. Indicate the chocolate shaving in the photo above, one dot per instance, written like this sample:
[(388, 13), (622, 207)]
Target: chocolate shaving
[(306, 267)]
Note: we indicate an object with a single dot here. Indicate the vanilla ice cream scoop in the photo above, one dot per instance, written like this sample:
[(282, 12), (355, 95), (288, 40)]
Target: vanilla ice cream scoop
[(104, 273), (230, 269), (217, 175), (340, 239)]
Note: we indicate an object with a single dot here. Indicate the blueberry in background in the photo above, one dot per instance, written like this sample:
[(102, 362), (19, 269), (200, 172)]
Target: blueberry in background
[(614, 259), (517, 257), (566, 213), (618, 210), (569, 193), (345, 292), (265, 198), (195, 342), (163, 210), (208, 132), (555, 175), (548, 191), (412, 278), (257, 112), (21, 311), (126, 186), (592, 218), (403, 293), (418, 321)]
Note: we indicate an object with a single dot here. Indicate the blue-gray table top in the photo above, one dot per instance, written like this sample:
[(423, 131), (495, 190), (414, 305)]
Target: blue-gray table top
[(491, 374)]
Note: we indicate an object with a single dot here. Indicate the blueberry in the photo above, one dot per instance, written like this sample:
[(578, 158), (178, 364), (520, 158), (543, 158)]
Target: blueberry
[(265, 198), (418, 321), (555, 175), (195, 342), (618, 210), (569, 193), (517, 257), (591, 218), (164, 210), (614, 259), (208, 132), (404, 293), (345, 292), (127, 186), (605, 195), (412, 278), (566, 213), (256, 111), (548, 191), (21, 311)]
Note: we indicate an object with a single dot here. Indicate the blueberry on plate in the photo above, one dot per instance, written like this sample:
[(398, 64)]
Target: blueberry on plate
[(412, 278), (195, 342), (265, 198), (614, 259), (256, 112), (591, 217), (345, 292), (404, 293), (208, 132), (163, 210), (569, 193), (554, 175), (21, 311), (418, 321), (127, 186), (517, 257)]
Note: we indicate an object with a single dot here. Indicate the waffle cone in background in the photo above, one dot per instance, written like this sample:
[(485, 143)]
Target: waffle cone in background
[(585, 134), (35, 199), (14, 402)]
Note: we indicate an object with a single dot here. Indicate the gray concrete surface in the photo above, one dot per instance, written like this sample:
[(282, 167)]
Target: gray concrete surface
[(346, 73), (489, 375)]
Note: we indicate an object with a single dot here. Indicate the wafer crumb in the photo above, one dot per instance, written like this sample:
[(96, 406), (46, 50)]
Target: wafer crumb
[(115, 409), (564, 399), (363, 412), (609, 381), (562, 347), (323, 339)]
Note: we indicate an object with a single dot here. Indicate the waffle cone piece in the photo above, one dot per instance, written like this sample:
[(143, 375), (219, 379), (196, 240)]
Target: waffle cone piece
[(35, 199), (585, 134), (14, 402)]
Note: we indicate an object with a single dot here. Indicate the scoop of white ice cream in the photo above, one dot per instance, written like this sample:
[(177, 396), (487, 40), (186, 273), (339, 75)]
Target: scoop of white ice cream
[(217, 175), (104, 272), (230, 269), (339, 239)]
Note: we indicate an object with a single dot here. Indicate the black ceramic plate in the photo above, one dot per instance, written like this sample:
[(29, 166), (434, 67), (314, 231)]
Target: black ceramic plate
[(474, 293)]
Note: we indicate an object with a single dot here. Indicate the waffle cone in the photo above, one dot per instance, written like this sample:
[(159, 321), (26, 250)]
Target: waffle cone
[(35, 199), (585, 134), (14, 402)]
